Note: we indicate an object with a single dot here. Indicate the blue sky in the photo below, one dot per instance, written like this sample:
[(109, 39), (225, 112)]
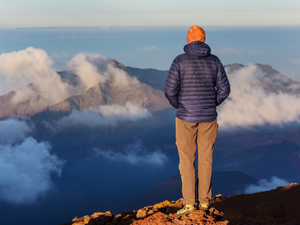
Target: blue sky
[(149, 34)]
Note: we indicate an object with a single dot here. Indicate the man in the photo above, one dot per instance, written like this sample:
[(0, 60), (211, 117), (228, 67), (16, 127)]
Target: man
[(195, 85)]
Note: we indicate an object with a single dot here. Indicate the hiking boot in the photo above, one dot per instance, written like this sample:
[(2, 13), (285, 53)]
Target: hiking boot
[(204, 206), (186, 210)]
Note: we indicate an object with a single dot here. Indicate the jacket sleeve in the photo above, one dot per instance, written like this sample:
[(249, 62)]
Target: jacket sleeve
[(222, 84), (172, 85)]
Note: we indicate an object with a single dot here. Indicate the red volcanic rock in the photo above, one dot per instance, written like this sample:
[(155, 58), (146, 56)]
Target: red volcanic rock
[(279, 206), (198, 217), (158, 214)]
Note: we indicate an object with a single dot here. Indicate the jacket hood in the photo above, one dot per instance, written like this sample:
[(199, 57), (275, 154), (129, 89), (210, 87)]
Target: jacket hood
[(197, 48)]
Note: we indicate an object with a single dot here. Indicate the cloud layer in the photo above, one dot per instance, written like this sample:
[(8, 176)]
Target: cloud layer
[(106, 115), (135, 154), (266, 185), (13, 130), (26, 170), (251, 105), (18, 69), (94, 68), (25, 165)]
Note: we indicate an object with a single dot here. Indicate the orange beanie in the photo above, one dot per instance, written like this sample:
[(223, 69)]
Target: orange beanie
[(195, 33)]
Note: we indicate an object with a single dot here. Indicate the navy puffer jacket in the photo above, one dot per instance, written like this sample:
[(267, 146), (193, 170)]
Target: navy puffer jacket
[(196, 84)]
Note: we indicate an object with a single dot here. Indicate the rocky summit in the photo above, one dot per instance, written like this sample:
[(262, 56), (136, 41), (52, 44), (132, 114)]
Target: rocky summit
[(278, 206), (161, 213)]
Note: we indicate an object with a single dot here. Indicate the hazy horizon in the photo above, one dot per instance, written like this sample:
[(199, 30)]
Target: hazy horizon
[(156, 47)]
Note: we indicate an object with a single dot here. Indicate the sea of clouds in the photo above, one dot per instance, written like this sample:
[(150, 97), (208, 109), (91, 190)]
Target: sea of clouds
[(26, 166), (249, 104)]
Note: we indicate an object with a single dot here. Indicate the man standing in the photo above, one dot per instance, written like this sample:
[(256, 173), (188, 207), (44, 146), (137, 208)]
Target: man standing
[(196, 84)]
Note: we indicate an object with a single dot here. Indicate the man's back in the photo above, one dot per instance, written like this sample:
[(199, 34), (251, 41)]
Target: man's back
[(196, 83)]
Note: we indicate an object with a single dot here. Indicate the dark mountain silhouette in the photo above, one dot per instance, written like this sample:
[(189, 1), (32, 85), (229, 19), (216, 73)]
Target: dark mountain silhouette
[(224, 183), (273, 157)]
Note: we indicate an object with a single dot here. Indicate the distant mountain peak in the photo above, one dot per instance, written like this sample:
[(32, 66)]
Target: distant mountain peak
[(117, 64), (142, 94)]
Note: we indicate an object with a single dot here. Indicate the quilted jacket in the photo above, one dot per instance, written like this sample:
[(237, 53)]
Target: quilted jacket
[(196, 84)]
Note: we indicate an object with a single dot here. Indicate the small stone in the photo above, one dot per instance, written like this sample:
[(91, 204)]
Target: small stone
[(86, 220), (163, 204), (141, 213), (76, 219)]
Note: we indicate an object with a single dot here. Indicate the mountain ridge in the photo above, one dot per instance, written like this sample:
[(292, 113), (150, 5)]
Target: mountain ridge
[(151, 81)]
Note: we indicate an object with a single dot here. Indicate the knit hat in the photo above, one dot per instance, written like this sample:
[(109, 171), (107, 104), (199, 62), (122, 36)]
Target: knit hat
[(195, 33)]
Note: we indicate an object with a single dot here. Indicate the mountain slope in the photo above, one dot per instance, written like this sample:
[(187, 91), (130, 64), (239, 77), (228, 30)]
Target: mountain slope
[(139, 94), (8, 108), (272, 80)]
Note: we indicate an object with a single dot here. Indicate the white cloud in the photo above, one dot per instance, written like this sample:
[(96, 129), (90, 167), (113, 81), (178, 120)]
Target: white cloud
[(250, 105), (25, 171), (265, 185), (13, 130), (106, 115), (94, 68), (135, 154), (18, 69), (90, 68), (296, 61)]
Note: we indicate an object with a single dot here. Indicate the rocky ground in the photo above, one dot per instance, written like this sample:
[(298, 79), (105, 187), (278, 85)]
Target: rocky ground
[(278, 206)]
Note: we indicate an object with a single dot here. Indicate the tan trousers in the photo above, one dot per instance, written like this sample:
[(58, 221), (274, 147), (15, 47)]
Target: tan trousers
[(188, 135)]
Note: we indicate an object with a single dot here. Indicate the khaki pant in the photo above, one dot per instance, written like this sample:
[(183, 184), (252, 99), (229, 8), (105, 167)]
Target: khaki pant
[(188, 135)]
